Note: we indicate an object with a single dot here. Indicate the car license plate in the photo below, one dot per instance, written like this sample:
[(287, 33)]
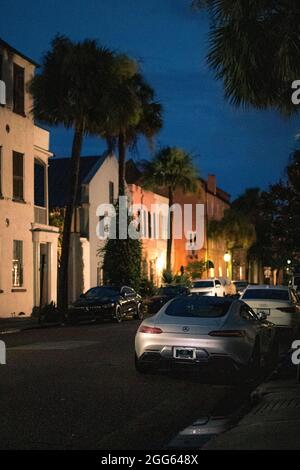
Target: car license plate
[(184, 353)]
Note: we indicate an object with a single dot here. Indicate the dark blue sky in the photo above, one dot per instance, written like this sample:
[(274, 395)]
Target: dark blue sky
[(243, 148)]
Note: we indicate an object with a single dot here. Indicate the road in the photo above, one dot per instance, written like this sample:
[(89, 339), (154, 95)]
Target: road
[(76, 388)]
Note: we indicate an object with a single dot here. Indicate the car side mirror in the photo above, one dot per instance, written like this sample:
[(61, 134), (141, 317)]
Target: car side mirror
[(262, 316)]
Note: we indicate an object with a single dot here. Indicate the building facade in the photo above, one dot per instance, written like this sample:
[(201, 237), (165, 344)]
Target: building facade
[(28, 244), (150, 209), (202, 247), (98, 184)]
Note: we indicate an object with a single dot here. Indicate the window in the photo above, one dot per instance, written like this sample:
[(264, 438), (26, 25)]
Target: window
[(111, 192), (18, 176), (1, 171), (149, 225), (18, 90), (39, 183), (266, 294), (198, 306), (17, 268)]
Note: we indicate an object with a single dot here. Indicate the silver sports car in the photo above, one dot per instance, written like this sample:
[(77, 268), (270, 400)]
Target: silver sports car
[(203, 330)]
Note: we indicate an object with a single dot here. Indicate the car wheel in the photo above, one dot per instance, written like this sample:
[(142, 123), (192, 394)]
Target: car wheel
[(118, 314), (142, 368), (139, 315)]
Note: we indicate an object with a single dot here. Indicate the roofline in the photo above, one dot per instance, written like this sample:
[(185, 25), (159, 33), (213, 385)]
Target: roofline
[(15, 51)]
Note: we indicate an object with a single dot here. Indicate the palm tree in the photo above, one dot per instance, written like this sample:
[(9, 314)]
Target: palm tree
[(171, 168), (70, 91), (254, 50), (131, 112)]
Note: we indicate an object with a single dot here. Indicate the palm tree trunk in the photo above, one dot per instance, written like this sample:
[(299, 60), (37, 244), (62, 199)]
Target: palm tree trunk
[(122, 161), (70, 204), (170, 234)]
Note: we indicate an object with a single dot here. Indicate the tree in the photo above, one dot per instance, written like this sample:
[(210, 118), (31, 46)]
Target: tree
[(254, 50), (70, 91), (122, 260), (131, 112), (171, 168)]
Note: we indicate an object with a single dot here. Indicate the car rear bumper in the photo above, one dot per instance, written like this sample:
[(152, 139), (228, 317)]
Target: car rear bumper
[(236, 351), (216, 361)]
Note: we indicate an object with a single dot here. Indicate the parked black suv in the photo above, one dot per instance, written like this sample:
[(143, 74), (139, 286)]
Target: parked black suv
[(106, 302)]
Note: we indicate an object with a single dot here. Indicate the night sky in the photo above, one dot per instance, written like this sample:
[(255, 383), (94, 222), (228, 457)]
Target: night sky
[(243, 148)]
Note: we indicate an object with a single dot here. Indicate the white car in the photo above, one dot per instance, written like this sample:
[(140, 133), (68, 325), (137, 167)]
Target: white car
[(205, 331), (208, 287), (279, 304)]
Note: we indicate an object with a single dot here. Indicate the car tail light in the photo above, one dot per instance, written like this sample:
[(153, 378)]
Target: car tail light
[(150, 330), (287, 309), (228, 333)]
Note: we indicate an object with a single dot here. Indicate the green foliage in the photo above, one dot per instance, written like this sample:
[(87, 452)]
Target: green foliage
[(171, 168), (195, 269), (183, 280), (167, 277), (122, 262), (254, 50), (235, 227), (147, 288)]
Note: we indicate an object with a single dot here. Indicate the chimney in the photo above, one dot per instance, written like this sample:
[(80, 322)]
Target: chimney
[(212, 184)]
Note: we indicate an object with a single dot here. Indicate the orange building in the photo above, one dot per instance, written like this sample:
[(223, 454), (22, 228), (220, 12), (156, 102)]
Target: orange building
[(152, 226), (215, 201)]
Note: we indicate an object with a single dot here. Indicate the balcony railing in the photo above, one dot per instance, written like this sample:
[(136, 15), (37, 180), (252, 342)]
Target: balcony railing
[(40, 215)]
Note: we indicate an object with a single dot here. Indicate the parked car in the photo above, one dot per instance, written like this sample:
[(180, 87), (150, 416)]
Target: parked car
[(205, 330), (280, 304), (106, 302), (163, 296), (212, 287), (240, 286)]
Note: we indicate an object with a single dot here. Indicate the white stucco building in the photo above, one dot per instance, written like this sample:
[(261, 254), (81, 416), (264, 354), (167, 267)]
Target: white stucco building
[(28, 245), (98, 184)]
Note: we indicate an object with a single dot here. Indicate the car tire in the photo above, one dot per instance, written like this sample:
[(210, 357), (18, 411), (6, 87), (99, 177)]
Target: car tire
[(118, 317), (139, 315), (142, 368)]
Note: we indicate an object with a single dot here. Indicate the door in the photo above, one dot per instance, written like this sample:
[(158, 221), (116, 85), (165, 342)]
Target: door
[(44, 274)]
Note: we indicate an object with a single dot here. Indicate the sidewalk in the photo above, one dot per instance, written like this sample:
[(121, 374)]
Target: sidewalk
[(16, 324), (272, 424)]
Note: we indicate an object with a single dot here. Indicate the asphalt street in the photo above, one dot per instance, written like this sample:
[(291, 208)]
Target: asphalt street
[(77, 388)]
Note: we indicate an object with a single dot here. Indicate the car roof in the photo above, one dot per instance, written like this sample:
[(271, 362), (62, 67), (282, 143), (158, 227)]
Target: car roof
[(267, 286)]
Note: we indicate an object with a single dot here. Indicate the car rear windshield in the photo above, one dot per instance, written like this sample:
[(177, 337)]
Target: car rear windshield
[(266, 294), (240, 284), (201, 284), (171, 290), (195, 306)]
